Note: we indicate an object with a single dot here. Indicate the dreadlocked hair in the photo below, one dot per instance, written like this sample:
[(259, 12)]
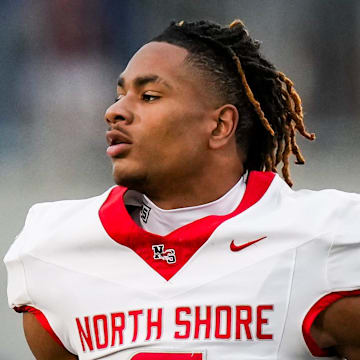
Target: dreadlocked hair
[(270, 111)]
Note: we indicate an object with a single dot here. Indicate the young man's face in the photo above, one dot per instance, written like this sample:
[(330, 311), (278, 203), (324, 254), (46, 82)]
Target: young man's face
[(161, 118)]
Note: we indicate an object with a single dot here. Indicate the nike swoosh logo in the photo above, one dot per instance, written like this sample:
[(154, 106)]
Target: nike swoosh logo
[(234, 247)]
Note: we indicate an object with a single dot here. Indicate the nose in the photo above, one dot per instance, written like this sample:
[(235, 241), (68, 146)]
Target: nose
[(117, 112)]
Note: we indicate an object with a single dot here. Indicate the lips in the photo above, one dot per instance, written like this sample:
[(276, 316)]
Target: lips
[(118, 143)]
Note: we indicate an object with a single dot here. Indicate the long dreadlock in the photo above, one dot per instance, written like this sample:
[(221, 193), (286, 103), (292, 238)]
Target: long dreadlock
[(269, 107)]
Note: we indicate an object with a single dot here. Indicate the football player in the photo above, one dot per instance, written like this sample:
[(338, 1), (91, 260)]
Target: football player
[(201, 251)]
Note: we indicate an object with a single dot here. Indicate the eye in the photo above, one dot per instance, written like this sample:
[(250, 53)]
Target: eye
[(149, 97)]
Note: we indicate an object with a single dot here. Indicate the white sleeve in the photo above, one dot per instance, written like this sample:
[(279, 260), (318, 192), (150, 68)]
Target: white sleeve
[(343, 267), (17, 288)]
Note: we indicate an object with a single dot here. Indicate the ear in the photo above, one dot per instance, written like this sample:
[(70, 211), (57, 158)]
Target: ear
[(226, 119)]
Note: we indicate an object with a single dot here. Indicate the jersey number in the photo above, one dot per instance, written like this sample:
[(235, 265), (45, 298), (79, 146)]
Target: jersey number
[(168, 356)]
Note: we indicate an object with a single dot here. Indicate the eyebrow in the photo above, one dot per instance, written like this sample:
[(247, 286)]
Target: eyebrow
[(141, 81)]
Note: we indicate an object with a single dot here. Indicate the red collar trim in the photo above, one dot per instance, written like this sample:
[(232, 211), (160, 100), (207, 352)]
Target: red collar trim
[(186, 240)]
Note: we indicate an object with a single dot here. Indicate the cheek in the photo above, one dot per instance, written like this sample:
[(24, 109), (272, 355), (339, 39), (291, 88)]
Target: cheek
[(171, 131), (181, 145), (179, 132)]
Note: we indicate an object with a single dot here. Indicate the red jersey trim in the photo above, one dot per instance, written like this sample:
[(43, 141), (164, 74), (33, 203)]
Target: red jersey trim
[(167, 356), (41, 319), (184, 241), (312, 314)]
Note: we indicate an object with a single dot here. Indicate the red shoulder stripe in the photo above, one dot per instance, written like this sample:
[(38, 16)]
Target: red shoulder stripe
[(42, 320), (312, 314)]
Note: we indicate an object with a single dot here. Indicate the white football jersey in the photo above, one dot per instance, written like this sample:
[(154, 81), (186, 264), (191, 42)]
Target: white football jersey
[(247, 285)]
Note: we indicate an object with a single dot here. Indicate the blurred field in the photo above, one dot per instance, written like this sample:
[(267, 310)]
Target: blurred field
[(59, 64)]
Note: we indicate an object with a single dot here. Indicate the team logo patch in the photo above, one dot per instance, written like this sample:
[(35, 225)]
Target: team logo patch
[(145, 212), (167, 255)]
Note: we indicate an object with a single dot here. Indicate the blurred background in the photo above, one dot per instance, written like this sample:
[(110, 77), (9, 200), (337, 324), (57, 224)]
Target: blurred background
[(59, 64)]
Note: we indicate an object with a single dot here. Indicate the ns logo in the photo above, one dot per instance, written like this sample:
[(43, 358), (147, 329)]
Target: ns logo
[(167, 255)]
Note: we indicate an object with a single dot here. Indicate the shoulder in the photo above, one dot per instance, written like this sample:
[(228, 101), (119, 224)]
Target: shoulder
[(47, 212), (332, 205), (50, 223), (312, 213), (322, 202), (330, 220)]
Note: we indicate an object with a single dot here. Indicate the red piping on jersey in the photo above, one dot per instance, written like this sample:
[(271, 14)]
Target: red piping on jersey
[(312, 314), (185, 240), (41, 319), (168, 356)]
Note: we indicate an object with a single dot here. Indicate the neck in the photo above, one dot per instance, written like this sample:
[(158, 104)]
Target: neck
[(195, 190)]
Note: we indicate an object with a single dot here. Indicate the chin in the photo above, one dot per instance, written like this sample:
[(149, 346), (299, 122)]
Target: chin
[(133, 180)]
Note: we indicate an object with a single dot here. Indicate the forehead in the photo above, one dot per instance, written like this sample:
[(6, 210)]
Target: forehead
[(158, 58)]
